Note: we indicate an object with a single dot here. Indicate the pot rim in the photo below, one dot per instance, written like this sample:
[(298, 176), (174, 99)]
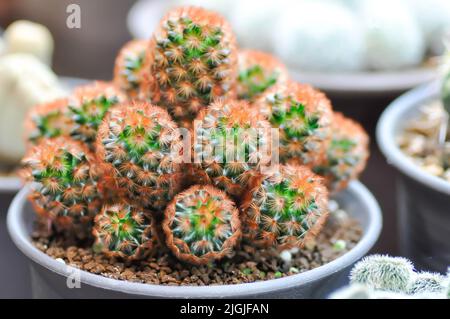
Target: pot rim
[(388, 128), (20, 236)]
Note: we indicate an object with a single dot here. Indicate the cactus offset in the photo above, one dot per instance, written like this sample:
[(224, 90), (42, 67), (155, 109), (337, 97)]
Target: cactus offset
[(124, 231), (346, 155), (258, 71), (65, 176), (193, 61), (383, 273), (201, 225), (304, 117), (426, 282), (285, 208), (88, 107), (129, 67), (140, 144), (231, 143), (47, 121)]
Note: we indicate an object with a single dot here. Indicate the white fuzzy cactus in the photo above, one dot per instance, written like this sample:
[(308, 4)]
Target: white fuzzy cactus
[(383, 273), (426, 282)]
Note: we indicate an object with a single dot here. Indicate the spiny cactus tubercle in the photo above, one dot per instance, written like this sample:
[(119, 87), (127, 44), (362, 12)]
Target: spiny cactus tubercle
[(88, 107), (129, 67), (193, 60), (201, 225), (285, 208), (65, 176), (346, 155), (49, 120), (122, 230), (304, 117), (140, 144), (231, 144), (258, 71)]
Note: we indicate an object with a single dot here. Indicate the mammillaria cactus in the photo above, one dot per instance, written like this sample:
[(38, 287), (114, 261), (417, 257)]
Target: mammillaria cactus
[(383, 273), (258, 71), (201, 225), (47, 121), (140, 144), (346, 155), (65, 176), (88, 107), (285, 208), (231, 144), (122, 230), (303, 115), (193, 61), (129, 67), (426, 282)]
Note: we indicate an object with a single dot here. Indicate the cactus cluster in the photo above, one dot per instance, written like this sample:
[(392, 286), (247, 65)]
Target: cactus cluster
[(385, 277), (113, 155)]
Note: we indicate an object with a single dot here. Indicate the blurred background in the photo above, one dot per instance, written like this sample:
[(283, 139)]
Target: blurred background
[(352, 50)]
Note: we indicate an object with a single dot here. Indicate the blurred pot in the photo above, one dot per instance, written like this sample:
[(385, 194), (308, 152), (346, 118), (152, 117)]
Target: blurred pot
[(423, 200), (50, 277)]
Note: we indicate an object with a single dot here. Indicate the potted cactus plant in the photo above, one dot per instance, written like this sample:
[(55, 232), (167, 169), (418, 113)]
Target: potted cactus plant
[(199, 165), (385, 277), (413, 135)]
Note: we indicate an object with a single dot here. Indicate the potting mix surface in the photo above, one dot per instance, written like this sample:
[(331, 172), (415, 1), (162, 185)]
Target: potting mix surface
[(248, 264), (419, 140)]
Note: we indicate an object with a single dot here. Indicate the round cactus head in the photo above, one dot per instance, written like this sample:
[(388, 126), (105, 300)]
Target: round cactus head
[(231, 144), (141, 145), (124, 231), (285, 208), (303, 116), (383, 273), (129, 67), (88, 107), (65, 178), (48, 120), (347, 153), (258, 71), (193, 60), (201, 225), (426, 282)]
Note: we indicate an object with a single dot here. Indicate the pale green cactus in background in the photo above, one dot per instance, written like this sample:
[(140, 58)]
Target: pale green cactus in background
[(426, 282), (383, 273)]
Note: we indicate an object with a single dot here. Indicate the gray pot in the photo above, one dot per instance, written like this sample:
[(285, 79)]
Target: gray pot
[(50, 277), (423, 200)]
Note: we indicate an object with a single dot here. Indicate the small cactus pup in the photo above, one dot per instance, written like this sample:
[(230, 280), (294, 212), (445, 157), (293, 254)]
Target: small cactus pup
[(88, 107), (201, 225), (231, 145), (193, 60), (129, 67), (258, 71), (383, 273), (48, 120), (140, 144), (285, 208), (124, 231), (347, 153), (64, 176), (304, 117), (426, 282)]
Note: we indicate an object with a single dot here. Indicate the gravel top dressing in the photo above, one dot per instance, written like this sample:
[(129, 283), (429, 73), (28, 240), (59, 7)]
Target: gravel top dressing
[(419, 140), (340, 234)]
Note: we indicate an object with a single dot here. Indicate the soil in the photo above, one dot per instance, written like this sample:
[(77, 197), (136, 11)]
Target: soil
[(419, 140), (339, 235)]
